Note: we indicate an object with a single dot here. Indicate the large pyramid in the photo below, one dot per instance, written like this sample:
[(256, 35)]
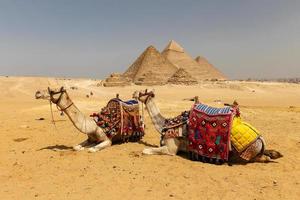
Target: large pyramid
[(176, 55), (203, 62), (181, 77), (150, 68)]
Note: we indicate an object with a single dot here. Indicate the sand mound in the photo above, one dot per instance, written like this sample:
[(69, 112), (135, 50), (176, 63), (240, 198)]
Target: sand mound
[(182, 77), (150, 67)]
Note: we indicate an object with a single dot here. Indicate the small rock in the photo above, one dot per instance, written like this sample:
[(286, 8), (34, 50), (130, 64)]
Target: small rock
[(41, 118), (274, 182), (24, 126)]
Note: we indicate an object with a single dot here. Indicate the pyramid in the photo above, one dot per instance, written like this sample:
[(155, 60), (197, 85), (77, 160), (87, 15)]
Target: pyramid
[(116, 79), (176, 55), (174, 46), (203, 62), (150, 68), (181, 77)]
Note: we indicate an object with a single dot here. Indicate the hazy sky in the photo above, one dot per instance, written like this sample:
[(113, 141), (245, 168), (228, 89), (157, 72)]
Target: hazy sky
[(89, 38)]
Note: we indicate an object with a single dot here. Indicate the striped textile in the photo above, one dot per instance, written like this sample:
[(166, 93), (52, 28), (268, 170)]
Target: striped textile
[(213, 111)]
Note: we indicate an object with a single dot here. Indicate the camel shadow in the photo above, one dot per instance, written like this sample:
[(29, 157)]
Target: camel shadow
[(56, 148)]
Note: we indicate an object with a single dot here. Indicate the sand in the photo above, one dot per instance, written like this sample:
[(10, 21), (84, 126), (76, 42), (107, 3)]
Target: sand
[(37, 161)]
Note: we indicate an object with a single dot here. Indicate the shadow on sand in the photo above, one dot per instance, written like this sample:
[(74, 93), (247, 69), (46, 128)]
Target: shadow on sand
[(56, 148)]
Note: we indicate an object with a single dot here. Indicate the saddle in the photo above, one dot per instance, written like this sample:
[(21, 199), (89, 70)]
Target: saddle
[(120, 120), (175, 127), (209, 131), (213, 131)]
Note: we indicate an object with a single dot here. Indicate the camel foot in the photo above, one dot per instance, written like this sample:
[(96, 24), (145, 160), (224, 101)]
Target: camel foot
[(78, 148), (92, 150)]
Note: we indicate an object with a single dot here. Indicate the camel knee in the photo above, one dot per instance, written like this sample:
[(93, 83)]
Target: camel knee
[(172, 145), (102, 145)]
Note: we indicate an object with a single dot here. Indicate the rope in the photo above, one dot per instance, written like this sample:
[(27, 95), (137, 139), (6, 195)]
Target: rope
[(143, 115), (52, 116)]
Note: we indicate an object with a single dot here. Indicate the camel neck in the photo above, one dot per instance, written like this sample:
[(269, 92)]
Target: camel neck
[(155, 115), (80, 121)]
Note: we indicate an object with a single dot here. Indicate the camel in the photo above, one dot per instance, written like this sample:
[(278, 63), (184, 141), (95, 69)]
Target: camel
[(97, 138), (171, 146)]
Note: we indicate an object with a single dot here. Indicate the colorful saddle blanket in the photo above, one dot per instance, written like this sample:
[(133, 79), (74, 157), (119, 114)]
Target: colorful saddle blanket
[(209, 131), (175, 127), (122, 119)]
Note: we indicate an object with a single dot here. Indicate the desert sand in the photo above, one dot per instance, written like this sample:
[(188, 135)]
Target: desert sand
[(37, 161)]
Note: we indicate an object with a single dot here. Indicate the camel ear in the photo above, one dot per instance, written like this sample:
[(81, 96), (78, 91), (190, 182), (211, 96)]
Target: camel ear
[(62, 88), (49, 91)]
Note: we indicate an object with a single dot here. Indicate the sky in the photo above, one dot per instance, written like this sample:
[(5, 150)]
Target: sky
[(93, 38)]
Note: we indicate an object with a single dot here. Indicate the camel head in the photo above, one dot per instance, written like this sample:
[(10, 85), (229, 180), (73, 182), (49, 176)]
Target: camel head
[(143, 96), (55, 95)]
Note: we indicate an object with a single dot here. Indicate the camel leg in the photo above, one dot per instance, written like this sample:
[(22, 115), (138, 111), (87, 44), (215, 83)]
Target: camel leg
[(171, 147), (80, 146), (100, 146)]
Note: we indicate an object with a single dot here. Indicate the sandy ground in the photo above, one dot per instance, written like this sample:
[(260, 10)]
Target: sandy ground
[(37, 161)]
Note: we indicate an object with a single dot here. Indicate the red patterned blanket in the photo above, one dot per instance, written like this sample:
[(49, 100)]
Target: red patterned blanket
[(120, 120), (209, 132)]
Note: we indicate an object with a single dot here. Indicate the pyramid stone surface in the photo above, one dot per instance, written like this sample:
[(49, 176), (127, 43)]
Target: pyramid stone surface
[(176, 55), (203, 62), (174, 46), (150, 68), (181, 77)]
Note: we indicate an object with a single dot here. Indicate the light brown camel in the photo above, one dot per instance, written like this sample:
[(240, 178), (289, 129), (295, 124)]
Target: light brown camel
[(170, 146), (97, 139)]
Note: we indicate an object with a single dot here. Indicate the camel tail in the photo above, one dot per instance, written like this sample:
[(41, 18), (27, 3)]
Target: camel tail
[(273, 154)]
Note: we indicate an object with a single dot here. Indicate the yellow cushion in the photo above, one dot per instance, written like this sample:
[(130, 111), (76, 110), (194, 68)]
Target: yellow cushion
[(242, 134)]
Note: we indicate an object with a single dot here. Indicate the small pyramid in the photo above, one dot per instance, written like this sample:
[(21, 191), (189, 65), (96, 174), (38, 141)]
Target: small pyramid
[(116, 79), (182, 77), (203, 62), (150, 68), (174, 46)]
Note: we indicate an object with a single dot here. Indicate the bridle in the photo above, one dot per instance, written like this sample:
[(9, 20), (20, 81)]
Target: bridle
[(148, 94), (57, 101)]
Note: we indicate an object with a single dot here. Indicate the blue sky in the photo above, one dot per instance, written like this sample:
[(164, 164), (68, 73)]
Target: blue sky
[(89, 38)]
